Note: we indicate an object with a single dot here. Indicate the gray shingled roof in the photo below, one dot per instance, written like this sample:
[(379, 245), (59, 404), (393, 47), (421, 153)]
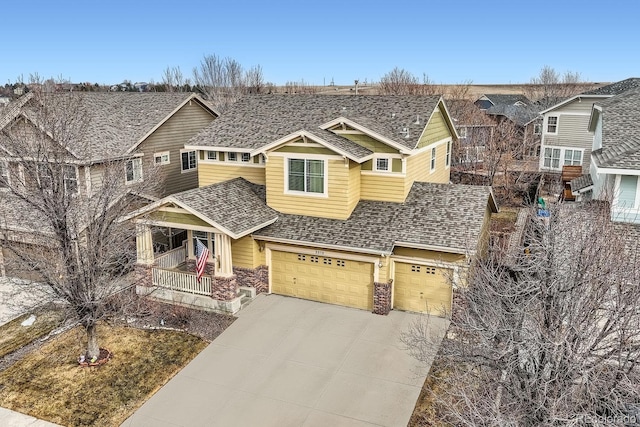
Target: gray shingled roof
[(441, 215), (581, 183), (520, 115), (232, 204), (507, 99), (620, 131), (112, 122), (370, 228), (255, 121), (616, 88), (445, 215)]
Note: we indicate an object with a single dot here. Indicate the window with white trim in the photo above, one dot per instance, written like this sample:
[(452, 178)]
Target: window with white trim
[(212, 155), (306, 175), (382, 165), (556, 157), (133, 170), (537, 129), (552, 124), (433, 159), (161, 158), (245, 157), (45, 176), (188, 161), (232, 156), (448, 158), (551, 158), (70, 178), (573, 157), (207, 239)]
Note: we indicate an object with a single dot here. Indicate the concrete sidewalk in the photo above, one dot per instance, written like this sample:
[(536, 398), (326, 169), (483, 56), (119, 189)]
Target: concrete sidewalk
[(291, 362), (9, 418)]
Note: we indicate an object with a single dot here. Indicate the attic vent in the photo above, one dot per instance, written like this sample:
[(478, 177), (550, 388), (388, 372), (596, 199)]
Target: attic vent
[(344, 108), (405, 132), (417, 122), (393, 115)]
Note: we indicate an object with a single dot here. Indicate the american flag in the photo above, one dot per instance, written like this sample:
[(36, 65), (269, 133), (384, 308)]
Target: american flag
[(202, 254)]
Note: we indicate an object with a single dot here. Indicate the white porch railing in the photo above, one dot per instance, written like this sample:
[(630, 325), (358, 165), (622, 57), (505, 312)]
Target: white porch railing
[(180, 281), (173, 258)]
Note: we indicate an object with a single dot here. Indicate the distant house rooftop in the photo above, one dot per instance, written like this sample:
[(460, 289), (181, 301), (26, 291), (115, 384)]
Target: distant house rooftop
[(616, 88)]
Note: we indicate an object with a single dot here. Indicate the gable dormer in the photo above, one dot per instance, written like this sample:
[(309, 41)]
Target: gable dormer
[(306, 177)]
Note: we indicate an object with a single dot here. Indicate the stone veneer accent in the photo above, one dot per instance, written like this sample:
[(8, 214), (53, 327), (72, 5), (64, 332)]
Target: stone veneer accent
[(209, 268), (224, 288), (257, 278), (143, 275), (381, 298)]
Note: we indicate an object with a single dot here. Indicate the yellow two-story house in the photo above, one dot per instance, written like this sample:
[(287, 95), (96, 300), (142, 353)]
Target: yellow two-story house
[(339, 199)]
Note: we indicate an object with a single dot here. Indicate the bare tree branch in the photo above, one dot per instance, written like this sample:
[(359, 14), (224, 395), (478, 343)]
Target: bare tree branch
[(549, 335)]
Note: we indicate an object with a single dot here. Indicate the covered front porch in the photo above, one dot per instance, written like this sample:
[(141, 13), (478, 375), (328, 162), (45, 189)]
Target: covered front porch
[(167, 234), (171, 275)]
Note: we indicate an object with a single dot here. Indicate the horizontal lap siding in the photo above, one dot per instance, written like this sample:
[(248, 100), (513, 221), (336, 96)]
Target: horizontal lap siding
[(386, 188), (242, 252), (419, 167), (436, 130), (97, 172), (209, 173), (172, 136), (572, 132), (336, 205)]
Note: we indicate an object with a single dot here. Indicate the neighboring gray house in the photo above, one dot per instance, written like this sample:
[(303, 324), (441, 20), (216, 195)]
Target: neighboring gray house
[(491, 100), (566, 139), (87, 132), (522, 113), (615, 159)]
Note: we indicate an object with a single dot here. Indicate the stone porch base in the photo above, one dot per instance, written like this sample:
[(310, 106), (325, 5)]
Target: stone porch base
[(201, 302)]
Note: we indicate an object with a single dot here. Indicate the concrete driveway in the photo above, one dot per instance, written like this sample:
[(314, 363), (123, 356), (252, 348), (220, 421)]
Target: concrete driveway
[(291, 362)]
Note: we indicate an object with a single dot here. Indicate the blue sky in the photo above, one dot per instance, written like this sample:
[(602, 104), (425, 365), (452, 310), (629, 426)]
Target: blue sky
[(490, 41)]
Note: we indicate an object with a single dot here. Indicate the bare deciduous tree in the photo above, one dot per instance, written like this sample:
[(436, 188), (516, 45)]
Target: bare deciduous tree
[(221, 80), (548, 335), (401, 82), (174, 81), (549, 87), (53, 225), (255, 83)]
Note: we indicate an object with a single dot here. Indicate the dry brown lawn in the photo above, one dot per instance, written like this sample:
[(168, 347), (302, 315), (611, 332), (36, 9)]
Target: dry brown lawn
[(49, 384)]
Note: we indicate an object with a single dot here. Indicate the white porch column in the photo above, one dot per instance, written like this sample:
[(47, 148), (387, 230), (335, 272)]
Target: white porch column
[(224, 266), (144, 244)]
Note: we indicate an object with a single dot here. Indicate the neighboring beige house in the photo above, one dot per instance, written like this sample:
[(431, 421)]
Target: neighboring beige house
[(339, 199), (566, 139), (88, 130)]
